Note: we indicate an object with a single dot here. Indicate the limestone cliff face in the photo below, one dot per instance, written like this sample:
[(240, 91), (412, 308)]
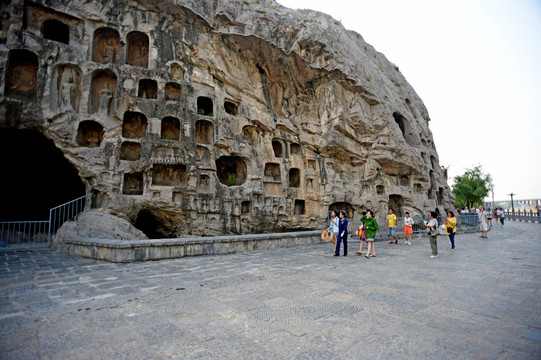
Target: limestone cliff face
[(210, 117)]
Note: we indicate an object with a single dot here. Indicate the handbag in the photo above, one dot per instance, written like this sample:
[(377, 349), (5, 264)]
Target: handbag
[(360, 230), (450, 230), (325, 235)]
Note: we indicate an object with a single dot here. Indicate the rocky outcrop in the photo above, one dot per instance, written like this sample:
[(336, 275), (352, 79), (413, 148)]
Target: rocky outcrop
[(97, 224), (215, 117)]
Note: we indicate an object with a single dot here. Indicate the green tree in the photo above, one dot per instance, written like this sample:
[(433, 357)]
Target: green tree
[(472, 187)]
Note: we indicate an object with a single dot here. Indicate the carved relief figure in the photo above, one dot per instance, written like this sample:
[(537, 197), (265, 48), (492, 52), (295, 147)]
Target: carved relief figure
[(105, 99), (109, 54), (371, 169), (67, 90), (105, 45), (102, 91), (137, 49), (176, 71)]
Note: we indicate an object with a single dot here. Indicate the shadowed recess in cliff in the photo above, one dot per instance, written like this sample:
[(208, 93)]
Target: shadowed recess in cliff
[(35, 176)]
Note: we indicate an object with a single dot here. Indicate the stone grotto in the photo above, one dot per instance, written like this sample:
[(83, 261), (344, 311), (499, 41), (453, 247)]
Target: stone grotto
[(206, 117)]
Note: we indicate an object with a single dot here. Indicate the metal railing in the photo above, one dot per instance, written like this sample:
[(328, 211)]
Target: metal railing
[(67, 211), (464, 222), (24, 234), (34, 234), (525, 215)]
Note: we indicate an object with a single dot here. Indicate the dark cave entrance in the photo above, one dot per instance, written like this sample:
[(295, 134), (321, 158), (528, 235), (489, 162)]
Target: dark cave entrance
[(154, 225), (35, 176)]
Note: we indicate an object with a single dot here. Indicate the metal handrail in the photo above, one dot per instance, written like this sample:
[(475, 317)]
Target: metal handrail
[(58, 215), (31, 234)]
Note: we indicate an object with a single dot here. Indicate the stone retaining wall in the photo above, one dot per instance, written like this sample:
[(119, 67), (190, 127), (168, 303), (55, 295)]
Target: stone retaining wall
[(122, 251), (141, 250)]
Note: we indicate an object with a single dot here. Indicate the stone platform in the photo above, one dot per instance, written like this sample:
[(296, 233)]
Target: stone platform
[(481, 301), (159, 249)]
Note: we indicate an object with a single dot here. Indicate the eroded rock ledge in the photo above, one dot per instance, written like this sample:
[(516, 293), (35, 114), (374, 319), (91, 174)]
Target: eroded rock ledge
[(218, 117)]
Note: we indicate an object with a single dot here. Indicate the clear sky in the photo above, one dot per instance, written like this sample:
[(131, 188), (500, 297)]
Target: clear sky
[(477, 66)]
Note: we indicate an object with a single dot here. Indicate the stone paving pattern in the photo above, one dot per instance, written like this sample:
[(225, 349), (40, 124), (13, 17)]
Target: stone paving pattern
[(481, 301)]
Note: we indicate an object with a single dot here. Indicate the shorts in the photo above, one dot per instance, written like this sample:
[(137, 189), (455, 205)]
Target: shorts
[(392, 231), (334, 231), (484, 226), (408, 230), (369, 240)]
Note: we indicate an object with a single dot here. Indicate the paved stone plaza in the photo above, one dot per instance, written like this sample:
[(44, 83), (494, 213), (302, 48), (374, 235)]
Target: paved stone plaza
[(482, 301)]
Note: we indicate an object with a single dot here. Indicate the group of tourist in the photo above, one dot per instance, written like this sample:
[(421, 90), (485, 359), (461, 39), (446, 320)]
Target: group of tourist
[(367, 230)]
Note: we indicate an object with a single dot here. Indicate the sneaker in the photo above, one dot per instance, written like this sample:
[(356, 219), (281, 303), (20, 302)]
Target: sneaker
[(453, 248), (434, 256), (408, 243)]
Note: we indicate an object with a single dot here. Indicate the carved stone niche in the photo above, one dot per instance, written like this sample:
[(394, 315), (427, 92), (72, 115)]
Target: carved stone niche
[(177, 72), (134, 125), (138, 49), (440, 196), (310, 184), (130, 151), (21, 75), (272, 170), (231, 108), (396, 202), (5, 14), (66, 88), (246, 207), (56, 30), (133, 184), (172, 92), (169, 175), (294, 177), (89, 134), (205, 106), (170, 128), (300, 207), (433, 162), (102, 91), (312, 166), (380, 189), (148, 89), (106, 46), (202, 154), (231, 170), (404, 180), (295, 149), (250, 136), (278, 148), (204, 132)]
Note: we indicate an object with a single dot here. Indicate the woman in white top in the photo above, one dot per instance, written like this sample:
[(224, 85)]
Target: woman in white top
[(432, 232), (334, 228), (408, 228)]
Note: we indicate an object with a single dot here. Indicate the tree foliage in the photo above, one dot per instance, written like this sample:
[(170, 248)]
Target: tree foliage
[(472, 187)]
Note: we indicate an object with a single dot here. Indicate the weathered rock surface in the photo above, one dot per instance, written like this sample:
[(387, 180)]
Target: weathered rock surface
[(97, 224), (212, 117)]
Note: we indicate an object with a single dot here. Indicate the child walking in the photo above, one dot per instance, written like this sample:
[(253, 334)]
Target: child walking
[(371, 226), (408, 228), (363, 234)]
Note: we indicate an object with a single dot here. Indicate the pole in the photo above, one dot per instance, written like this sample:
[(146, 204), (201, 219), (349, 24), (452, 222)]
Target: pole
[(493, 203), (512, 205)]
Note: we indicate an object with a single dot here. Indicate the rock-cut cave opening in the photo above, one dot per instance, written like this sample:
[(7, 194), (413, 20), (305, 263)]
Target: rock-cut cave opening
[(35, 176)]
